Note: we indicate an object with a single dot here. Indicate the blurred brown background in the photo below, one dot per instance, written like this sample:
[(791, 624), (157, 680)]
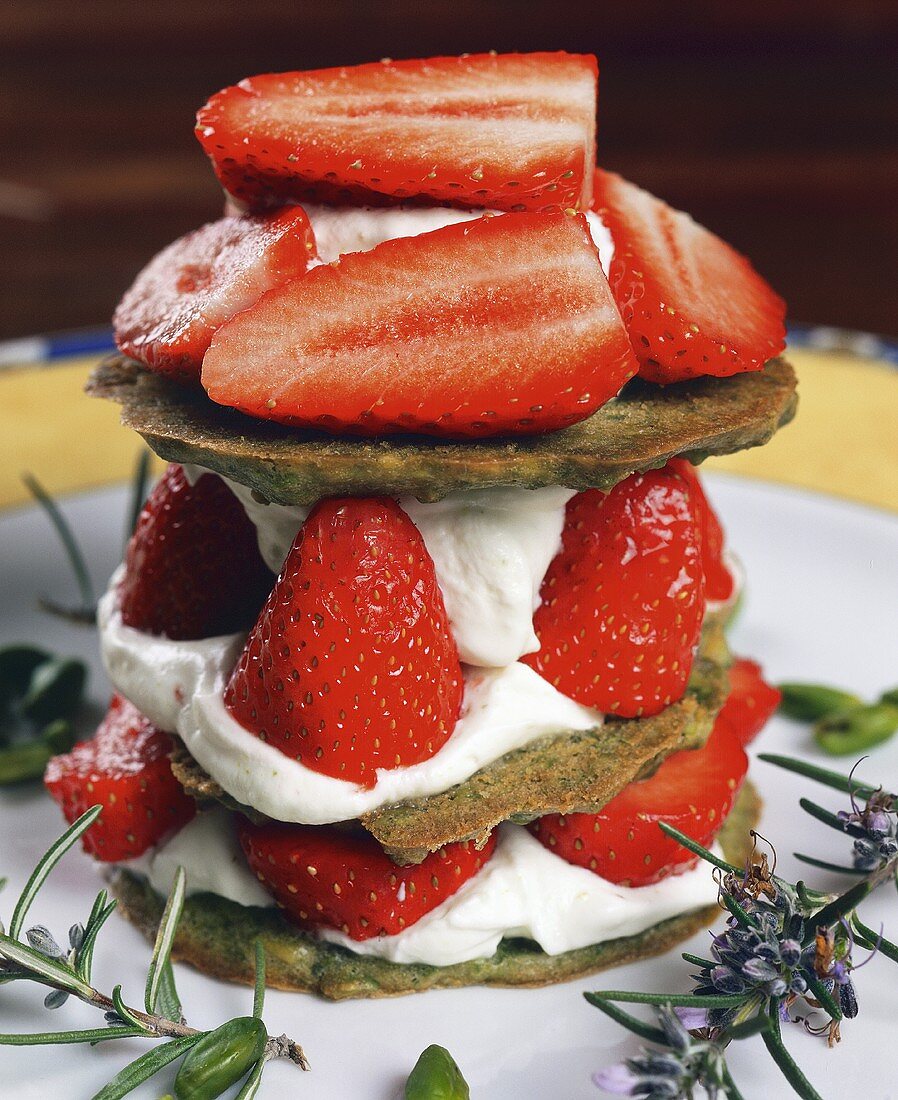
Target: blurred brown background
[(774, 124)]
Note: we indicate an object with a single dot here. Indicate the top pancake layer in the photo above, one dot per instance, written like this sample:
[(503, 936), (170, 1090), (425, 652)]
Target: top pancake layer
[(641, 429)]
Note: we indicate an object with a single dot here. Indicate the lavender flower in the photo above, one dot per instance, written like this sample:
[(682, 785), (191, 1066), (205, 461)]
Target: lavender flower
[(874, 830)]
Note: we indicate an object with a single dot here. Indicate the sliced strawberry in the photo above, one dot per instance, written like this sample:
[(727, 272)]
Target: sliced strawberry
[(692, 790), (719, 581), (751, 702), (623, 600), (351, 666), (508, 132), (193, 567), (328, 876), (170, 313), (126, 769), (503, 324), (691, 304)]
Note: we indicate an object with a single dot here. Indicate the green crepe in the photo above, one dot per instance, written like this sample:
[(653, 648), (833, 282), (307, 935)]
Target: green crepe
[(217, 937)]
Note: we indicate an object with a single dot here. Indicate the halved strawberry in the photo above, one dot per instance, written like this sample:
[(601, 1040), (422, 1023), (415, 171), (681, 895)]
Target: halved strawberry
[(503, 324), (508, 132), (719, 581), (126, 769), (751, 702), (693, 790), (351, 666), (623, 600), (328, 876), (692, 305), (193, 567), (168, 316)]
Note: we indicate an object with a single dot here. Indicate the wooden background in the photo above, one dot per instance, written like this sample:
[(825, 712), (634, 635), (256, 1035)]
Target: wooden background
[(775, 125)]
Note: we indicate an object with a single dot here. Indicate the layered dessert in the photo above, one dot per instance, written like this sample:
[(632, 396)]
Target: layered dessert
[(422, 631)]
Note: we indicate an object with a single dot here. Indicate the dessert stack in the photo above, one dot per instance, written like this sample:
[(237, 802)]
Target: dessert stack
[(421, 633)]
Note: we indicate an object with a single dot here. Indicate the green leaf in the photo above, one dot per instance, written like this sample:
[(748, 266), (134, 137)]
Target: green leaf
[(753, 1026), (92, 1035), (838, 908), (729, 1086), (674, 1000), (697, 960), (55, 690), (126, 1013), (94, 924), (836, 780), (138, 490), (259, 990), (822, 994), (46, 864), (23, 761), (49, 971), (789, 1068), (251, 1085), (849, 733), (67, 537), (824, 866), (828, 818), (146, 1066), (165, 937), (875, 940), (729, 902), (694, 846), (625, 1019), (168, 1003), (808, 702)]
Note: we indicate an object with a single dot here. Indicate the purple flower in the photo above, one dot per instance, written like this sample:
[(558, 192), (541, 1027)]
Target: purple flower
[(618, 1079)]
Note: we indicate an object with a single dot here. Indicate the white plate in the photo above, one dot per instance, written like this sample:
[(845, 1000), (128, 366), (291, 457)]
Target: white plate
[(822, 604)]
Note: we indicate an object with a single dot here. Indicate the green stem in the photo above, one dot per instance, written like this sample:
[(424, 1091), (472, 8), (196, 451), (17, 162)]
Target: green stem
[(67, 537), (788, 1067)]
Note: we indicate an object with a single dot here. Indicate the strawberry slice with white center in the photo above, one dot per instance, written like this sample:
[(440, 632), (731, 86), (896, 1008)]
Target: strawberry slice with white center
[(125, 768), (507, 132), (192, 567), (171, 312), (623, 600), (691, 303), (501, 325), (351, 666), (336, 878)]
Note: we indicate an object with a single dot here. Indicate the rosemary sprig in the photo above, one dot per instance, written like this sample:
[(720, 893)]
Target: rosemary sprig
[(784, 945), (216, 1056)]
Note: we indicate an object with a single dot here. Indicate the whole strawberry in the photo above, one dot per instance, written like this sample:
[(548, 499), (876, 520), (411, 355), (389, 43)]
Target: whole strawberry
[(193, 567), (321, 875), (125, 767), (623, 600), (351, 666)]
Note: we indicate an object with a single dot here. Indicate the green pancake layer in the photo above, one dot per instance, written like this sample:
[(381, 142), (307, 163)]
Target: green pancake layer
[(217, 937), (570, 771), (641, 429)]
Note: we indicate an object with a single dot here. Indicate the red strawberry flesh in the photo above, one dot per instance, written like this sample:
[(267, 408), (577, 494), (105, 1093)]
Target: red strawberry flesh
[(751, 702), (330, 877), (719, 581), (623, 600), (351, 666), (691, 304), (692, 790), (501, 325), (193, 567), (169, 315), (126, 769), (508, 132)]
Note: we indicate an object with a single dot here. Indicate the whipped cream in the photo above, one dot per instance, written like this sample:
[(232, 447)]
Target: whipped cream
[(342, 229), (179, 686), (490, 549), (524, 890)]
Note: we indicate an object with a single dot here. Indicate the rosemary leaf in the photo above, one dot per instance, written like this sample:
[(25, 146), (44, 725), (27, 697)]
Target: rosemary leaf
[(729, 1086), (259, 989), (842, 905), (672, 1000), (146, 1066), (49, 971), (86, 953), (251, 1085), (126, 1013), (875, 940), (754, 1025), (828, 778), (697, 848), (92, 1035), (729, 902), (790, 1070), (46, 864), (824, 866), (697, 960), (826, 999), (168, 1002), (67, 538), (165, 937), (631, 1023), (138, 490), (827, 818)]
